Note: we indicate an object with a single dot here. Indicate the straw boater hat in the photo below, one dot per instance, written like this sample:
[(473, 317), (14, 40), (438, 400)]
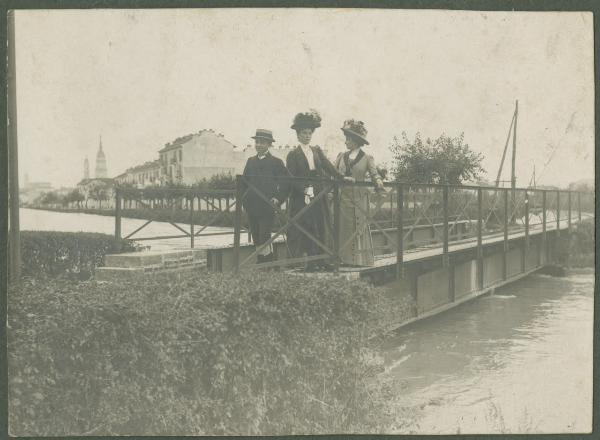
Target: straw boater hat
[(310, 119), (356, 129), (264, 134)]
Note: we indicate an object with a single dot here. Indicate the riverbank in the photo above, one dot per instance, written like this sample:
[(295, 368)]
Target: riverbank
[(200, 218)]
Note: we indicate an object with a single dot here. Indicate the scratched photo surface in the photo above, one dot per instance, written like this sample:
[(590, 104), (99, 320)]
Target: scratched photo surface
[(151, 302)]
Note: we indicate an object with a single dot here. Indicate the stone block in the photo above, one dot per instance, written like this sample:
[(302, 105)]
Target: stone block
[(116, 274), (136, 259), (168, 258)]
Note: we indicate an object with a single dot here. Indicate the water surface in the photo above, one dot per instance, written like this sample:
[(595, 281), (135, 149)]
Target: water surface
[(518, 361), (40, 220)]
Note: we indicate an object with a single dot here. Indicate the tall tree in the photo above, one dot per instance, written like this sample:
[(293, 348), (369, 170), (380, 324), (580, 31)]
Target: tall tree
[(443, 160), (49, 198), (75, 196)]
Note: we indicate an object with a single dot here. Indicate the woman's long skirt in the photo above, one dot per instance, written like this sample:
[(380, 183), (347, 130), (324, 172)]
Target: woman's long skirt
[(356, 246)]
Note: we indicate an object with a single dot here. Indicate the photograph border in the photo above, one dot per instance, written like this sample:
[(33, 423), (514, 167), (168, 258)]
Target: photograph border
[(457, 5)]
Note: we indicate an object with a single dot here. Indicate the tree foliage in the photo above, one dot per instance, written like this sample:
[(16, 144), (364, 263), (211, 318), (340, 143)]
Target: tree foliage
[(443, 160), (49, 198)]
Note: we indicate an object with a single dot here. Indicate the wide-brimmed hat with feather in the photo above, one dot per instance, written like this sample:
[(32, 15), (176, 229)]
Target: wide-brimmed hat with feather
[(310, 119), (356, 129)]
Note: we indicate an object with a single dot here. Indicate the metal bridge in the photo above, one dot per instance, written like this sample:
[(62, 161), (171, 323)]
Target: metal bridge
[(406, 221)]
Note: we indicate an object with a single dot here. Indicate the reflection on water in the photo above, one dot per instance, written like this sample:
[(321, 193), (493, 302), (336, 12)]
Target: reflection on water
[(35, 219), (514, 362)]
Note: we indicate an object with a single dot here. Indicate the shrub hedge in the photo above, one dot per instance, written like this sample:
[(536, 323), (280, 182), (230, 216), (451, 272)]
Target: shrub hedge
[(196, 354), (582, 247), (50, 253)]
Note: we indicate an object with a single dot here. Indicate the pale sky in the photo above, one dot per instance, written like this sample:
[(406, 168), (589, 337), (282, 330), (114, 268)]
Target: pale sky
[(141, 78)]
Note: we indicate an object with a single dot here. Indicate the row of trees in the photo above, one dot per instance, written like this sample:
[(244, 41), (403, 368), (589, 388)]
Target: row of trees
[(216, 182), (75, 196), (101, 193)]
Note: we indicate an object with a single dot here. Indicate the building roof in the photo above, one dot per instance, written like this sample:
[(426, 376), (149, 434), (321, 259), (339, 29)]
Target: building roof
[(143, 167), (183, 139), (176, 143)]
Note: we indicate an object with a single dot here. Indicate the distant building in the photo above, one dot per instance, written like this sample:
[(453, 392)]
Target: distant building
[(147, 174), (192, 158), (198, 156), (32, 190), (101, 170), (86, 168)]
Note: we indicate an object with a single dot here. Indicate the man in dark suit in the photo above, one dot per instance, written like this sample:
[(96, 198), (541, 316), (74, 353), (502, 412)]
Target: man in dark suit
[(308, 161), (264, 172)]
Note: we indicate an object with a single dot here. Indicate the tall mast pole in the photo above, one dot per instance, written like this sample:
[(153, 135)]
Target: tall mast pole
[(513, 177), (512, 121), (13, 165)]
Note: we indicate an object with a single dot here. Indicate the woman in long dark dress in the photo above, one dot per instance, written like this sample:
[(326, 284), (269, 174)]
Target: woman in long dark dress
[(308, 161)]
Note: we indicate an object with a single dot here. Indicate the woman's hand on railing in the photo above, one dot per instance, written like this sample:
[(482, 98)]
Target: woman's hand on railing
[(349, 179)]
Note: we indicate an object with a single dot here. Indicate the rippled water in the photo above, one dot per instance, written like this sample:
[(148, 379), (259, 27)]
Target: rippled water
[(518, 361), (35, 219)]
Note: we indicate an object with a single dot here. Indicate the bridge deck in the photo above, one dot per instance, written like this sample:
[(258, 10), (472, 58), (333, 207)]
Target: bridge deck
[(436, 250)]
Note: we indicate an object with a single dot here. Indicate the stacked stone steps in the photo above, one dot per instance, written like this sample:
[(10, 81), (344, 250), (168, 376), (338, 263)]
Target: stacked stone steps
[(136, 265)]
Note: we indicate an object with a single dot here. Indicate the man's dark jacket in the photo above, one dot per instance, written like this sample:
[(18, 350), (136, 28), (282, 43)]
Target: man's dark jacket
[(264, 174)]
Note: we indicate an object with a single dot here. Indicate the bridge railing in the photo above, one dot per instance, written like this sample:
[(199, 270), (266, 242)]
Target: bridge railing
[(406, 217), (190, 211)]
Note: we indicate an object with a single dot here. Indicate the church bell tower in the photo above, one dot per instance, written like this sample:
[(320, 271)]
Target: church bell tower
[(101, 171)]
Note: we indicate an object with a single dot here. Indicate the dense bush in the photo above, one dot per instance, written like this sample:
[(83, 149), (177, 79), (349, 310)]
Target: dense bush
[(196, 354), (582, 246), (67, 253)]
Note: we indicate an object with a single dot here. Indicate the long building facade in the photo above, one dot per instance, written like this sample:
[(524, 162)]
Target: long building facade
[(192, 158)]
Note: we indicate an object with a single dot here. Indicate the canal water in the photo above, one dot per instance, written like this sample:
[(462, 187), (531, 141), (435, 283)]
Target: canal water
[(517, 361), (40, 220)]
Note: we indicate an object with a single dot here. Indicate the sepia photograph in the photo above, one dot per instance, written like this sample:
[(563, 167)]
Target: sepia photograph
[(300, 221)]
